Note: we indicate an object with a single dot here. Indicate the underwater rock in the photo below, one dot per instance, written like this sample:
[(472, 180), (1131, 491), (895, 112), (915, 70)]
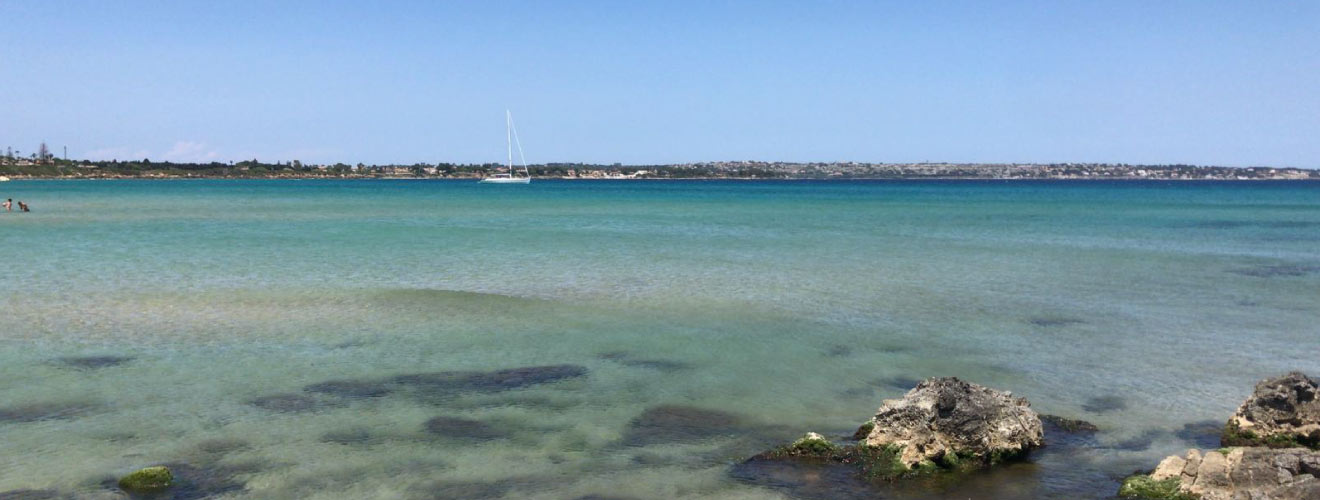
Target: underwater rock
[(148, 480), (814, 467), (1104, 404), (191, 482), (464, 428), (1231, 474), (528, 401), (1282, 412), (839, 351), (45, 411), (448, 379), (93, 362), (514, 378), (944, 417), (352, 389), (806, 480), (31, 495), (1276, 270), (899, 382), (285, 403), (354, 436), (1068, 432), (1054, 321), (1203, 434), (478, 490), (464, 490), (678, 423), (493, 381), (1069, 425), (627, 359), (1139, 442), (221, 446)]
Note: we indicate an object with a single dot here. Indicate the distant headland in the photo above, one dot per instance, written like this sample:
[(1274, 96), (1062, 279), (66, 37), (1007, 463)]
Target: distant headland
[(48, 167)]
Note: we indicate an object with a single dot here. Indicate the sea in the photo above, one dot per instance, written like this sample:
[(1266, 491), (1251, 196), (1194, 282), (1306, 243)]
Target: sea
[(632, 339)]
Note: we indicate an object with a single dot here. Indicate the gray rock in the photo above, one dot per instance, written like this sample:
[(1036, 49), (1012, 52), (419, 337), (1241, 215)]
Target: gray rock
[(1243, 474), (1282, 412), (944, 418)]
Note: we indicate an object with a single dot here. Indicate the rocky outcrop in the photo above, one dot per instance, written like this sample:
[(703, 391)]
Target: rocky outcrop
[(1268, 458), (946, 420), (1282, 412), (1232, 474)]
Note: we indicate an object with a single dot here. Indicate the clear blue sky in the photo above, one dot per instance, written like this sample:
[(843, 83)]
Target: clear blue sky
[(1207, 82)]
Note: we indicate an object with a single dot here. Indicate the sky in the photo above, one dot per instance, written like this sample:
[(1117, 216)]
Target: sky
[(1203, 82)]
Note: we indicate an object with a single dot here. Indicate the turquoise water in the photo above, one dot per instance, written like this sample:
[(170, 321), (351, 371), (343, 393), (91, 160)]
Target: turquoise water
[(794, 306)]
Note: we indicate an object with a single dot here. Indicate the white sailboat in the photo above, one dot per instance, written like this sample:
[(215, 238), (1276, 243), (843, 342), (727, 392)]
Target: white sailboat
[(511, 135)]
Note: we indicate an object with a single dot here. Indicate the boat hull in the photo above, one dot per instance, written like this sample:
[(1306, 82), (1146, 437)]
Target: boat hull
[(506, 180)]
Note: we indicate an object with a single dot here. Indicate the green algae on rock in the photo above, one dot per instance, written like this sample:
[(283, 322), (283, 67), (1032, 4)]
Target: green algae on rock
[(148, 480), (1278, 474), (812, 443), (871, 462), (1143, 486)]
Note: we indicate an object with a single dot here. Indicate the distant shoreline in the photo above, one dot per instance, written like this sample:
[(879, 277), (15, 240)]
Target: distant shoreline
[(646, 179), (53, 168), (56, 168)]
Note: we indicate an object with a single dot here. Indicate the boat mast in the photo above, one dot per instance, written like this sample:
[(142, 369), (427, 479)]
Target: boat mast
[(518, 142), (508, 136)]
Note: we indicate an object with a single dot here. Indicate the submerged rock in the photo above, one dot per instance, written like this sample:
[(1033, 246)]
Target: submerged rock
[(456, 490), (1276, 270), (946, 420), (678, 423), (1139, 442), (815, 480), (464, 428), (93, 362), (1070, 425), (898, 382), (31, 495), (285, 403), (493, 381), (353, 436), (190, 482), (1231, 474), (814, 467), (1055, 321), (197, 483), (627, 359), (508, 487), (220, 447), (37, 412), (839, 351), (1203, 434), (211, 451), (1282, 412), (1104, 404), (148, 480), (1068, 432), (353, 389)]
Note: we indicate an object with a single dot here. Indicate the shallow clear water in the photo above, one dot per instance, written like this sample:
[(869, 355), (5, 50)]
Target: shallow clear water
[(794, 306)]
